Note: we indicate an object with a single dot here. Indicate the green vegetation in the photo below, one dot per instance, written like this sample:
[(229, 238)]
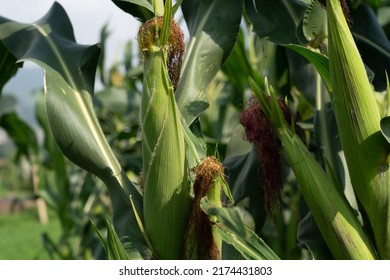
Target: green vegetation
[(21, 235), (265, 137)]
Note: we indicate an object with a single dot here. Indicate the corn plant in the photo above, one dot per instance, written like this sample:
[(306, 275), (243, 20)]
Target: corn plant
[(204, 193)]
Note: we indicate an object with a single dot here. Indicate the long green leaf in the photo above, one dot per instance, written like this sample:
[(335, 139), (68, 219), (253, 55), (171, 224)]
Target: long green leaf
[(235, 232), (69, 84), (213, 27)]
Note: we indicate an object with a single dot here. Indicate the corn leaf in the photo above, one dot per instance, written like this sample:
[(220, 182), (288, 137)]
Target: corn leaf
[(265, 16), (238, 67), (113, 246), (100, 236), (372, 3), (8, 66), (385, 128), (69, 84), (140, 9), (243, 177), (372, 42), (55, 176), (222, 117), (309, 234), (104, 34), (233, 231), (320, 61), (21, 134), (213, 27), (314, 22), (116, 250)]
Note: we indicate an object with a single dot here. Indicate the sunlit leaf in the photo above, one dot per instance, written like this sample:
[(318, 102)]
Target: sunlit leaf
[(213, 27)]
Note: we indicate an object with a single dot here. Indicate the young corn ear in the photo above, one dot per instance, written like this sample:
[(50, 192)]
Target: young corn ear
[(338, 224), (358, 119), (202, 241), (166, 189)]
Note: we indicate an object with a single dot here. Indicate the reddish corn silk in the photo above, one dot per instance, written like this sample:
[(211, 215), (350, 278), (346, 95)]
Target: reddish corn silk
[(260, 132)]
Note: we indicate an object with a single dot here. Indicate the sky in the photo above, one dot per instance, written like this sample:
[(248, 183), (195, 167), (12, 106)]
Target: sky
[(87, 17)]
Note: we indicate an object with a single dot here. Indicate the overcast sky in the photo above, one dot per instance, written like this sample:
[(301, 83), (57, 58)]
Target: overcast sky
[(87, 17)]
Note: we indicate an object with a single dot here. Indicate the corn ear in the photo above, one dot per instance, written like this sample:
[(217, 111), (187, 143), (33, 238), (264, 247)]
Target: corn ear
[(335, 218), (358, 119), (202, 240), (166, 189)]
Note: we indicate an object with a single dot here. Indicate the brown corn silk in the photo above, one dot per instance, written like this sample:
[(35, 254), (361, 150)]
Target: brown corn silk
[(175, 46), (200, 242)]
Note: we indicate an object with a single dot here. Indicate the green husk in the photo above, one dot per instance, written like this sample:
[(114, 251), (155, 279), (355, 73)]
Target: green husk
[(358, 119), (166, 189), (335, 218)]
